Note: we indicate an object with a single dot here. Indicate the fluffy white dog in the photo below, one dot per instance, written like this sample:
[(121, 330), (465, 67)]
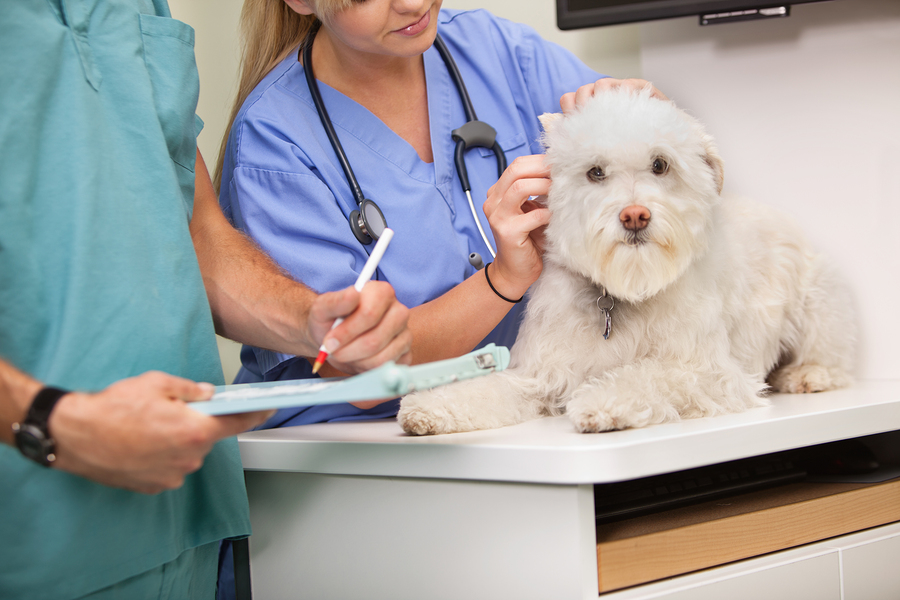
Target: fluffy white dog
[(659, 300)]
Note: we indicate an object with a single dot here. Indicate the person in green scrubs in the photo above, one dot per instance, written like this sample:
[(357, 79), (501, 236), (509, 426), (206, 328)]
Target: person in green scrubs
[(116, 269)]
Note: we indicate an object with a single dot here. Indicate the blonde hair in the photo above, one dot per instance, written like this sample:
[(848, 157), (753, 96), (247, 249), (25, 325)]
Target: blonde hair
[(270, 30)]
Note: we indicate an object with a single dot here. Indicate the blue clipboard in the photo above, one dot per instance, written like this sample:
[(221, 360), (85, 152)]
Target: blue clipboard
[(390, 380)]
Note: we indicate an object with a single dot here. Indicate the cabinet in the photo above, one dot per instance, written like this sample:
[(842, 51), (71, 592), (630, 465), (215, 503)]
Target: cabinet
[(360, 510)]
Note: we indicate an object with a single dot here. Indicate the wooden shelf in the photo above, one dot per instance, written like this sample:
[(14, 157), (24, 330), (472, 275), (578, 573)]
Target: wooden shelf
[(679, 541)]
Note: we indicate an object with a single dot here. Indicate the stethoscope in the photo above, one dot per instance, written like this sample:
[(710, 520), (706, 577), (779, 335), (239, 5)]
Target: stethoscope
[(367, 221)]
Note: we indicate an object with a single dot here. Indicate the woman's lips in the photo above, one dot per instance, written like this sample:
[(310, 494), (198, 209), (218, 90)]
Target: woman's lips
[(416, 27)]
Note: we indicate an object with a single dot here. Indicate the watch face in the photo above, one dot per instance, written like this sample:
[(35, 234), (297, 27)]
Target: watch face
[(31, 442)]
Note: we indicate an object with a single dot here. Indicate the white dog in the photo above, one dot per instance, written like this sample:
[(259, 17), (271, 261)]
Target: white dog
[(659, 300)]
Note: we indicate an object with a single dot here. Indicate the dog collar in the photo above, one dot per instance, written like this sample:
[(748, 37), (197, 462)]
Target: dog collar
[(605, 303)]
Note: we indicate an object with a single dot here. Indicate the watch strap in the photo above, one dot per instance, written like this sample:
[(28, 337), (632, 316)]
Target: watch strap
[(42, 406), (32, 435)]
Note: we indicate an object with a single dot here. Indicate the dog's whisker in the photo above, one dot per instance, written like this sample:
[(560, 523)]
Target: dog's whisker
[(635, 239)]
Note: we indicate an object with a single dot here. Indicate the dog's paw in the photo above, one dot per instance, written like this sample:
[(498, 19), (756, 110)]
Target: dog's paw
[(589, 417), (418, 416), (417, 421), (440, 410), (806, 379)]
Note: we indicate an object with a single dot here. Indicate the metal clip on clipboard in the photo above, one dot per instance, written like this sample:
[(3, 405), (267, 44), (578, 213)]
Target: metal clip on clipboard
[(390, 380)]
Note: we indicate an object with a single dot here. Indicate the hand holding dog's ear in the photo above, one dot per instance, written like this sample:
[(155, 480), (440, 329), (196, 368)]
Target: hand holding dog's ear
[(517, 218), (576, 99)]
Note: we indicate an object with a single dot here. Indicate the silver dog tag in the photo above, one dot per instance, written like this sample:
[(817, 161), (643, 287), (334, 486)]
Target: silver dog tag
[(605, 303)]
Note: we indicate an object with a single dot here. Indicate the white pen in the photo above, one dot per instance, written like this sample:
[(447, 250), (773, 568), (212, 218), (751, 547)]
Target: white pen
[(364, 276)]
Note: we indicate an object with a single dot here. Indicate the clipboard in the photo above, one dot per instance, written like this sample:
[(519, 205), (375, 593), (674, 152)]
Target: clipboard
[(390, 380)]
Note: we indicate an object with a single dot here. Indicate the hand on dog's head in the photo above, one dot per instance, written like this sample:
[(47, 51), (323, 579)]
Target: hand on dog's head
[(634, 184)]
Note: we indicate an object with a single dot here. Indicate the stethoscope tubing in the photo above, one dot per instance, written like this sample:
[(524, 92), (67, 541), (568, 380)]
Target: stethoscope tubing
[(473, 133), (306, 50), (456, 77)]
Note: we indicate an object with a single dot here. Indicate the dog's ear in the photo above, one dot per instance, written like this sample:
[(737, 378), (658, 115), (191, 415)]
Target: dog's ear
[(714, 161), (548, 122), (548, 119)]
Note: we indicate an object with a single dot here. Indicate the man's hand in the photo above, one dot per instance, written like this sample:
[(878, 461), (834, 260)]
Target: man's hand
[(374, 329), (139, 433)]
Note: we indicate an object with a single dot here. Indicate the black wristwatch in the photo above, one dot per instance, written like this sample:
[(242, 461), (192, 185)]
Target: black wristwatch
[(32, 436)]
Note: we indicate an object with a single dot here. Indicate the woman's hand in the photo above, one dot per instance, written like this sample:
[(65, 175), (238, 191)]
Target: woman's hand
[(576, 99), (517, 218)]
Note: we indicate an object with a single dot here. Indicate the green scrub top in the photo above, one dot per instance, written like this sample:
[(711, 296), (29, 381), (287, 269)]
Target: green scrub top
[(98, 277)]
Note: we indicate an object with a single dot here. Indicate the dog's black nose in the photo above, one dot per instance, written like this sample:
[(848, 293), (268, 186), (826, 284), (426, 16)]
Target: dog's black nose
[(635, 217)]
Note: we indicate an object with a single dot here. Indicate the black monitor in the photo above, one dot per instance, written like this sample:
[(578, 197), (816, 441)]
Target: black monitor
[(576, 14)]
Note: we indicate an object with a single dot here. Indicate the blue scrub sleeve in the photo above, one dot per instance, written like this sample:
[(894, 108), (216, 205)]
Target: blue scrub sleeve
[(547, 69), (548, 66), (296, 218)]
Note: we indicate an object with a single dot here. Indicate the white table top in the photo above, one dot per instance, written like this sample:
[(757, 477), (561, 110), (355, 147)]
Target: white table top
[(550, 451)]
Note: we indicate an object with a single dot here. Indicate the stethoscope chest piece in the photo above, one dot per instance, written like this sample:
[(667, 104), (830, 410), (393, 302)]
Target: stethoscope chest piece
[(367, 223)]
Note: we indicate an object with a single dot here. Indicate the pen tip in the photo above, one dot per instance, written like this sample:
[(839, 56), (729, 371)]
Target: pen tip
[(320, 359)]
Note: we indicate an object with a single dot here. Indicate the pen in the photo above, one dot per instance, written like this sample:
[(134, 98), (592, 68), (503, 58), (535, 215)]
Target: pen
[(364, 276)]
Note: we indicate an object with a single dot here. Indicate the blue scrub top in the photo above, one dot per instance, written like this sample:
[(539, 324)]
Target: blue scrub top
[(282, 183)]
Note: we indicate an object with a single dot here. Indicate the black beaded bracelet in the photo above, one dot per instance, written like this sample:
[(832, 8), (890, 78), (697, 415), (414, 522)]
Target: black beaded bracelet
[(495, 289)]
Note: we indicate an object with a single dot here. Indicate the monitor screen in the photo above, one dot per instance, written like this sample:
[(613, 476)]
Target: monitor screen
[(575, 14)]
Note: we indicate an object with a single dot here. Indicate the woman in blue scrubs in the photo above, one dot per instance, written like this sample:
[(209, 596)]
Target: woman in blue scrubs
[(393, 105)]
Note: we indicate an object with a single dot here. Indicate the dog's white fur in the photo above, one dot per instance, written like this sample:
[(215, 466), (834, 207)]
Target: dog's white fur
[(713, 298)]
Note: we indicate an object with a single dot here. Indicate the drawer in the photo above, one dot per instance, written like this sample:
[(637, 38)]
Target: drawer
[(675, 542)]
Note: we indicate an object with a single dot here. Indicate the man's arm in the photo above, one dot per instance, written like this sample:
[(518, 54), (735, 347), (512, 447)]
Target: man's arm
[(253, 301), (137, 434), (16, 393)]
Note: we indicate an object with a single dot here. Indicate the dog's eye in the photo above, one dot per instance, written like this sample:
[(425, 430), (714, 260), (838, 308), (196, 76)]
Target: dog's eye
[(596, 174), (660, 166)]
